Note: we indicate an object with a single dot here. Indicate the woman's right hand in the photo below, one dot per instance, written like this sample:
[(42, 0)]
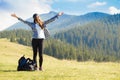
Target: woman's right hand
[(14, 15), (60, 13)]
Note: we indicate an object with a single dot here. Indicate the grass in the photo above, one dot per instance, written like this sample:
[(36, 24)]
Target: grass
[(54, 69)]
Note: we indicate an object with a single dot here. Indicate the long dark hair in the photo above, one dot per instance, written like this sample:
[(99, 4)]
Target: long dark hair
[(34, 17)]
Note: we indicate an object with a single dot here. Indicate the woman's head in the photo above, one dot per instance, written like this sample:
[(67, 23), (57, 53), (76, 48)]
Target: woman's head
[(36, 17)]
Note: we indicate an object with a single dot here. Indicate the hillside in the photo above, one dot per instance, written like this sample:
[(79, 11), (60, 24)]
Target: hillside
[(54, 69), (14, 51), (60, 48)]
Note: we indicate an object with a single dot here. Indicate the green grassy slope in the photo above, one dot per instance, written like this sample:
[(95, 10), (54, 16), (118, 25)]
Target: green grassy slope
[(54, 69)]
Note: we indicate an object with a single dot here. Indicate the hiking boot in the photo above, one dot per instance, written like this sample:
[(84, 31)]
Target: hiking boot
[(40, 69)]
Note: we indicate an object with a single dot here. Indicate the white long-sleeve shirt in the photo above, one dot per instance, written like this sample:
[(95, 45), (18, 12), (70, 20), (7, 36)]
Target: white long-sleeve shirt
[(38, 33)]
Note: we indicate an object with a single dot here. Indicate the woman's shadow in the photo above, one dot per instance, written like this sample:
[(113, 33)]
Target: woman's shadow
[(8, 70)]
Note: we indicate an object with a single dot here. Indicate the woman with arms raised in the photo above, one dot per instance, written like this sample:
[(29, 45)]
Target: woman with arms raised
[(39, 34)]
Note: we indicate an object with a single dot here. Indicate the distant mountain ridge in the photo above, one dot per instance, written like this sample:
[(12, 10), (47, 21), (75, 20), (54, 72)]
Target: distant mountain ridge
[(64, 21)]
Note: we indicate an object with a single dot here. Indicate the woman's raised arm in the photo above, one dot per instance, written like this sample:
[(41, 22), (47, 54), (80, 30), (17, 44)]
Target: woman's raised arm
[(14, 15), (26, 22), (53, 18)]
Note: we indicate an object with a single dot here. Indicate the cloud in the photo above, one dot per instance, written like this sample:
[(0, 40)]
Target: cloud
[(5, 20), (28, 7), (96, 4), (72, 0), (113, 10), (23, 8)]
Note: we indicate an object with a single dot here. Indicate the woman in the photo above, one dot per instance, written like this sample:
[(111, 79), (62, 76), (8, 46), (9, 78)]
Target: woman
[(39, 30)]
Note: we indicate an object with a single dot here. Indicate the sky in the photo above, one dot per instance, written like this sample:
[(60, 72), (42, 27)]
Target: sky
[(26, 8)]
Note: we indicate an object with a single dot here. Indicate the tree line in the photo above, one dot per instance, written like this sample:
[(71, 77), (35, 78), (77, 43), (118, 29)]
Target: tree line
[(61, 49)]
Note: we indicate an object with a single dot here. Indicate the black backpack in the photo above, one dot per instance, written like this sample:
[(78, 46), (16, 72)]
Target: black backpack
[(26, 64)]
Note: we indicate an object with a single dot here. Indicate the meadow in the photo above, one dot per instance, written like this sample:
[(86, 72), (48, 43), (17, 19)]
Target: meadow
[(53, 69)]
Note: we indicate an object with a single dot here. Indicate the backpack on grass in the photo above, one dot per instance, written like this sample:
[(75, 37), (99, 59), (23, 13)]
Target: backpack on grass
[(26, 64)]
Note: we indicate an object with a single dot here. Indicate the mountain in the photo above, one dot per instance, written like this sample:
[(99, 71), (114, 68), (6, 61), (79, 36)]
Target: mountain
[(64, 21), (103, 36)]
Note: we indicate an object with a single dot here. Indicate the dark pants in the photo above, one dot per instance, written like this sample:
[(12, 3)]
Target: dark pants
[(37, 45)]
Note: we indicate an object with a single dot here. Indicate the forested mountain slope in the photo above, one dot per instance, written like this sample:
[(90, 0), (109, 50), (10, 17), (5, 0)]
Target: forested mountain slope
[(102, 35)]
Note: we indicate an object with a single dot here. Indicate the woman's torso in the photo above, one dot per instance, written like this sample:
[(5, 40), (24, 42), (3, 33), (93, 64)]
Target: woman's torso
[(38, 33)]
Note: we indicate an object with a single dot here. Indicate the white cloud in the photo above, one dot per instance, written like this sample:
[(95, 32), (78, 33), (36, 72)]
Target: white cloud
[(113, 10), (72, 0), (23, 8), (5, 20), (96, 4)]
